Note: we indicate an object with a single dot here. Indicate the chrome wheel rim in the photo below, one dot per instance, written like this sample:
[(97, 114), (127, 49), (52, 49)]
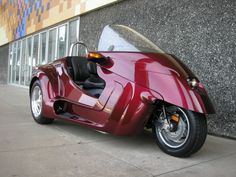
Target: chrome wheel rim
[(177, 138), (36, 101)]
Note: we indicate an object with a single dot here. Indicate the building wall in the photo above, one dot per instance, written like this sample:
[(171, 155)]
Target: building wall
[(3, 63), (23, 17), (201, 33)]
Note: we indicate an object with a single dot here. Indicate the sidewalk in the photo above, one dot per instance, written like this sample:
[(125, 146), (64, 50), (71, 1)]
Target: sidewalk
[(64, 149)]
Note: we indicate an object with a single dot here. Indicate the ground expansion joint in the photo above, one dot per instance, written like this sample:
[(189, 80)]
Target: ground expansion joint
[(38, 147), (196, 164)]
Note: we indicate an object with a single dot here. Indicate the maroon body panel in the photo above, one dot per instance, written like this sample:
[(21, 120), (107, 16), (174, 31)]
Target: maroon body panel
[(163, 74), (134, 81)]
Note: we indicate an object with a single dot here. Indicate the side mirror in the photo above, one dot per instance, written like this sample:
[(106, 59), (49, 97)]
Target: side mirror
[(96, 57)]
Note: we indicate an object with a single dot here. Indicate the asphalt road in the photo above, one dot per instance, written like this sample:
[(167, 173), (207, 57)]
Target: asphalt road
[(63, 149)]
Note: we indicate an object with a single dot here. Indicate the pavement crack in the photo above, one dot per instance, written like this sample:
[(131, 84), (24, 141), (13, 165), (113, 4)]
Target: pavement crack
[(38, 147), (196, 164)]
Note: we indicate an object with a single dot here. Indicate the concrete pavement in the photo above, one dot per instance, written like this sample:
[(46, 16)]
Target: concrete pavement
[(63, 149)]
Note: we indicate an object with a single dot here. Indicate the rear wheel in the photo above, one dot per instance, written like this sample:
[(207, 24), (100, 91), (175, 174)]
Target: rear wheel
[(179, 132), (36, 104)]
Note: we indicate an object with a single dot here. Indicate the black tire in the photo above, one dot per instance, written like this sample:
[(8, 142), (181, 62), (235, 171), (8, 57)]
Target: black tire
[(39, 118), (192, 143)]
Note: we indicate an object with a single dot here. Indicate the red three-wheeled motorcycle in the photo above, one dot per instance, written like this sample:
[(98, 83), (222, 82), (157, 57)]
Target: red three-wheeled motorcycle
[(125, 86)]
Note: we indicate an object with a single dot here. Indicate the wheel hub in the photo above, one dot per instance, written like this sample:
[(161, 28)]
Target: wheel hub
[(36, 101), (174, 129)]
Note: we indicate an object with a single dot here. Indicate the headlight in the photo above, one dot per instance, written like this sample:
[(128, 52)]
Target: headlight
[(193, 82)]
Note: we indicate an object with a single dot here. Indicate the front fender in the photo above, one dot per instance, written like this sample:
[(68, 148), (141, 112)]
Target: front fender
[(48, 77), (175, 90), (49, 88)]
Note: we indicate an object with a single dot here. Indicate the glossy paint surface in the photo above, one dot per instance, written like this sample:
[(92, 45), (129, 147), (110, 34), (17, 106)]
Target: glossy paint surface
[(134, 81), (164, 75)]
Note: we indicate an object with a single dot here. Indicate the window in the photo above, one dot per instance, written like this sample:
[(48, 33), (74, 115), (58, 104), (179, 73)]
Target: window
[(40, 48), (73, 35), (28, 60), (52, 45), (61, 49), (17, 64), (14, 48), (10, 63), (35, 50), (23, 63), (43, 42)]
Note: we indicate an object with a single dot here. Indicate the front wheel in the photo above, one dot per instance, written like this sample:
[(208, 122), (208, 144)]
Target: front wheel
[(179, 132), (36, 104)]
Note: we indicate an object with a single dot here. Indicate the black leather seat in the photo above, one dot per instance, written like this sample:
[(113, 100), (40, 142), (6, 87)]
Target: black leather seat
[(77, 69), (85, 75), (94, 81), (94, 84)]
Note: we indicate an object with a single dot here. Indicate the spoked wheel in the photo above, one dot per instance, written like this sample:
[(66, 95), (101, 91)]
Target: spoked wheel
[(36, 101), (36, 104), (179, 132)]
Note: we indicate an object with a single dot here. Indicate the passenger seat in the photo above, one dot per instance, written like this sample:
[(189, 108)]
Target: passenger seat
[(77, 69), (93, 84)]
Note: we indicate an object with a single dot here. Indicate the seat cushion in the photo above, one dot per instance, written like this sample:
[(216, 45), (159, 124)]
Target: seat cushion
[(94, 92), (94, 83)]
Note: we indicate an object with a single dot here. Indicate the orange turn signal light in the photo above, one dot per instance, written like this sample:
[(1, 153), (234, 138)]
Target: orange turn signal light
[(95, 55)]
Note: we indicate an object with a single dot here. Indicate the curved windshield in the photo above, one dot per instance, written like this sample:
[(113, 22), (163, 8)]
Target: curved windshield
[(120, 38)]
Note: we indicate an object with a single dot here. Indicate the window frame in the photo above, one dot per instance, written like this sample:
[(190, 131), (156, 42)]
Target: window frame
[(12, 66)]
